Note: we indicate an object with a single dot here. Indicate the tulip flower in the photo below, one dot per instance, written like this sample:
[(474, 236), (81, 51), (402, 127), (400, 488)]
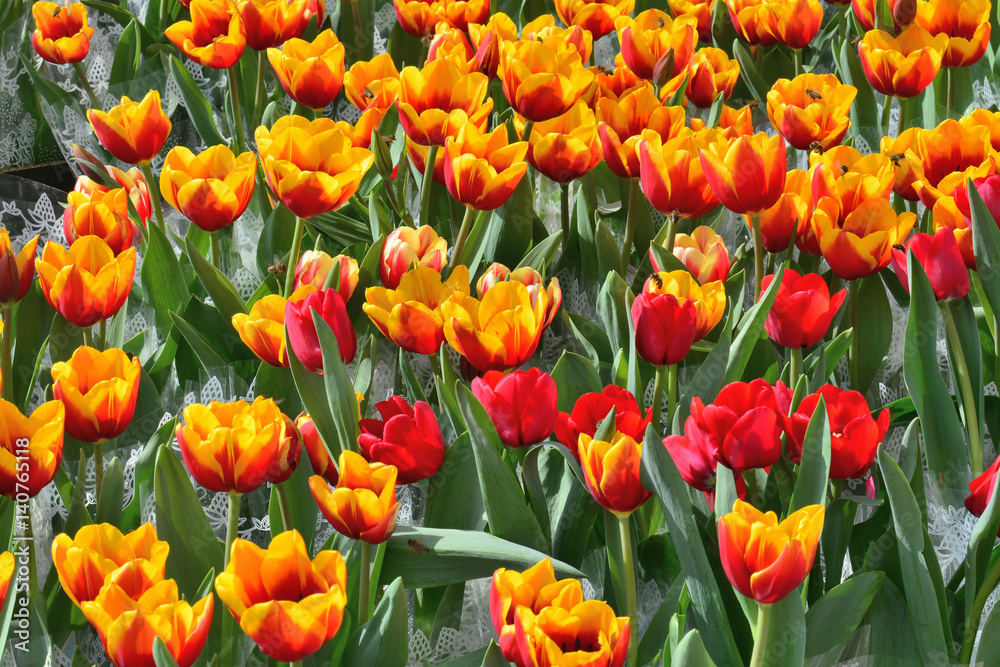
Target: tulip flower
[(85, 283), (530, 278), (766, 560), (311, 166), (710, 73), (566, 147), (700, 10), (989, 190), (941, 259), (611, 471), (133, 132), (592, 408), (211, 188), (302, 334), (500, 331), (434, 102), (966, 24), (407, 438), (501, 25), (856, 434), (622, 122), (374, 82), (236, 447), (452, 44), (732, 122), (811, 110), (943, 158), (534, 589), (31, 447), (213, 38), (312, 73), (407, 248), (482, 170), (895, 148), (541, 82), (672, 312), (989, 120), (748, 175), (694, 454), (849, 178), (903, 13), (99, 390), (488, 54), (613, 83), (270, 23), (319, 456), (672, 176), (901, 66), (17, 269), (862, 244), (102, 214), (288, 604), (84, 561), (315, 268), (703, 253), (587, 634), (61, 32), (652, 36), (770, 22), (133, 181), (803, 309), (263, 328), (6, 574), (420, 17), (363, 505), (789, 217), (522, 405), (544, 29), (595, 16), (981, 490)]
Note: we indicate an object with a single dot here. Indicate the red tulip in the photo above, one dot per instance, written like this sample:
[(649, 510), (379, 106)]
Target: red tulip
[(592, 408), (941, 259), (521, 405), (989, 190), (693, 453), (981, 490), (407, 437), (329, 305), (803, 309), (672, 312), (855, 434)]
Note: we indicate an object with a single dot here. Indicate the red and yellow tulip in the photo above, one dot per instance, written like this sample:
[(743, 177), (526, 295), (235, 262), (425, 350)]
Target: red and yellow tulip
[(133, 132), (85, 283), (811, 110), (482, 170), (312, 73), (61, 32), (31, 447), (214, 37), (212, 188), (99, 390), (363, 505)]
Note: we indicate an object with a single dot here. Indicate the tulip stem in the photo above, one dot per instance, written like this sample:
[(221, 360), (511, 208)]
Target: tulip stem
[(293, 256), (672, 221), (80, 72), (949, 94), (425, 185), (758, 257), (671, 391), (6, 376), (564, 214), (760, 637), (154, 196), (633, 209), (526, 131), (853, 287), (232, 527), (656, 407), (969, 407), (28, 537), (886, 113), (102, 335), (976, 613), (363, 585), (234, 94), (799, 69), (283, 507), (794, 366), (98, 469), (628, 568), (214, 249), (901, 119), (258, 96), (842, 24), (88, 335), (463, 235)]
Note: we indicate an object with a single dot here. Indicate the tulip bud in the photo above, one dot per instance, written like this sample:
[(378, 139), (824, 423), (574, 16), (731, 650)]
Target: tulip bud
[(904, 11), (9, 283), (663, 71), (92, 166), (488, 55), (941, 259), (383, 157)]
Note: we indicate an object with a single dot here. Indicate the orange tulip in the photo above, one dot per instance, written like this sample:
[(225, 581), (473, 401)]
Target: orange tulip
[(903, 13), (811, 110), (212, 188), (527, 276), (133, 132), (61, 33), (270, 23), (565, 147), (939, 155), (372, 83), (862, 243), (612, 83), (312, 73), (263, 328), (766, 560), (901, 66), (790, 214), (701, 10), (947, 214), (596, 16), (315, 267), (966, 24), (412, 315), (102, 214), (434, 102), (97, 550), (844, 172), (483, 170), (501, 331), (588, 635), (540, 82), (213, 38), (319, 456), (501, 25), (85, 283), (651, 36), (30, 447), (420, 17), (748, 175), (769, 22), (406, 248), (732, 122), (289, 604), (99, 390), (703, 252), (611, 470), (452, 44), (236, 447), (311, 166), (988, 119), (895, 149), (672, 176), (711, 72), (132, 181), (363, 505), (544, 29), (17, 270), (6, 574), (622, 121), (360, 134)]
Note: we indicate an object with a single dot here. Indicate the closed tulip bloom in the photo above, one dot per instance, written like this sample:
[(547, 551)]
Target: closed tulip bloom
[(287, 603), (803, 309), (895, 148), (102, 214), (766, 560), (748, 174), (589, 635), (412, 315), (988, 188), (17, 269), (133, 132), (940, 257), (213, 38), (61, 33), (237, 447), (611, 471), (488, 54), (567, 146), (622, 122), (541, 82), (316, 266), (133, 181), (417, 17), (672, 312), (34, 441), (981, 490), (793, 24), (522, 405), (451, 43), (862, 244), (99, 390), (544, 29), (374, 82), (363, 504), (745, 423), (732, 122), (302, 334), (903, 13), (97, 550), (85, 283), (312, 73), (482, 170), (653, 34), (966, 23), (955, 212), (672, 176), (407, 437), (591, 408), (211, 188), (613, 83), (407, 248), (901, 66), (270, 23), (811, 110), (710, 73), (695, 456), (530, 278), (596, 16), (844, 174), (703, 252), (311, 166), (460, 13), (263, 328), (789, 215), (499, 24), (434, 102), (499, 332)]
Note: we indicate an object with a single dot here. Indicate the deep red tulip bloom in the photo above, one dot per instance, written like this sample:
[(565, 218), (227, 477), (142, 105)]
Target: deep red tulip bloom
[(694, 455), (941, 259), (521, 405), (329, 305), (981, 490), (672, 312), (592, 408), (407, 437), (855, 433), (803, 309)]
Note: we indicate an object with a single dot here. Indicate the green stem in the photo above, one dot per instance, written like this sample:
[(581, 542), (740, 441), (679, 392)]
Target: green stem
[(671, 391), (28, 536), (164, 6), (853, 287), (656, 407), (672, 220), (297, 663), (234, 93), (425, 185), (80, 72), (284, 507), (758, 257), (794, 366), (359, 207), (760, 641), (214, 251), (633, 209), (969, 406), (102, 334), (258, 96), (842, 24), (628, 567), (976, 613), (88, 336), (228, 622), (463, 235), (154, 196), (359, 32), (799, 69), (99, 467), (950, 96), (886, 110), (366, 557), (901, 120), (564, 213), (293, 257), (526, 132), (6, 365)]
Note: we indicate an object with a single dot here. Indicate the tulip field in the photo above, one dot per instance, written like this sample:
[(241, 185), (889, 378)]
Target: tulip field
[(478, 333)]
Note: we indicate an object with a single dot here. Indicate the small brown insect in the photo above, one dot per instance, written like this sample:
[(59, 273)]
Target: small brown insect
[(816, 147), (56, 11), (843, 169), (657, 280), (604, 69), (753, 104), (660, 22), (855, 41), (417, 547), (813, 94), (388, 140), (277, 269), (897, 158)]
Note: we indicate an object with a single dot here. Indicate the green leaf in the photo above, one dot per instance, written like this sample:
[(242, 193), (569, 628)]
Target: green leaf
[(126, 62), (35, 320), (162, 279), (122, 16), (832, 620), (864, 112), (708, 381), (494, 656), (691, 652), (574, 377), (198, 107), (659, 626), (206, 354), (339, 389), (759, 88), (751, 330), (384, 640), (977, 558), (814, 471), (989, 640), (453, 496), (224, 294), (874, 328), (109, 505), (541, 255), (786, 633), (312, 391), (986, 245), (301, 504), (161, 655)]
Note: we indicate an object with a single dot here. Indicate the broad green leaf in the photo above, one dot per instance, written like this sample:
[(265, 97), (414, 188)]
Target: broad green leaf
[(453, 496), (301, 504), (874, 329), (339, 389), (758, 86), (691, 652), (494, 656), (384, 640), (161, 655), (541, 255), (207, 355), (162, 279), (786, 633), (126, 62), (198, 108), (864, 111), (751, 330), (708, 381), (224, 294), (814, 470), (574, 377), (832, 620), (109, 505)]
